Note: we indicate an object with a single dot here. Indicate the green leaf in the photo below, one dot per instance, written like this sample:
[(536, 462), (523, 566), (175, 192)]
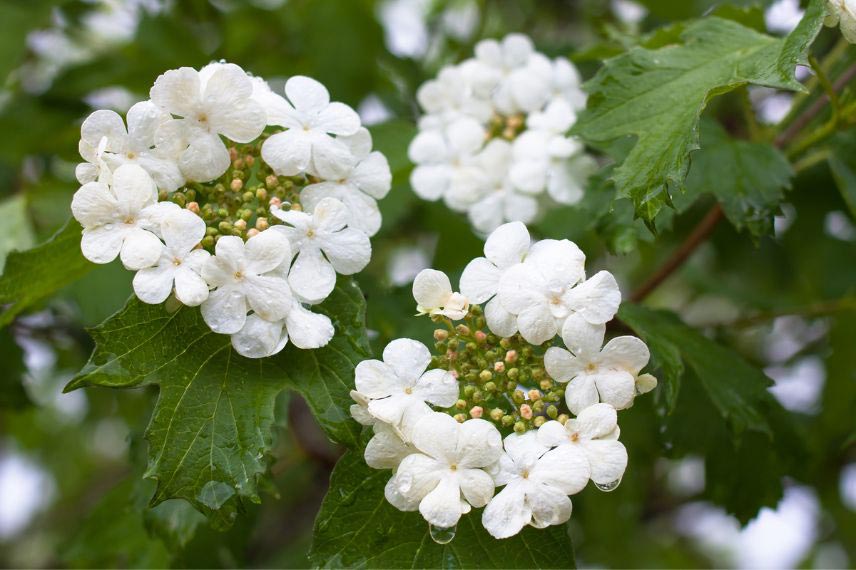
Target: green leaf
[(210, 433), (17, 233), (358, 528), (13, 396), (747, 178), (723, 412), (112, 535), (35, 274), (842, 162), (657, 95), (737, 389)]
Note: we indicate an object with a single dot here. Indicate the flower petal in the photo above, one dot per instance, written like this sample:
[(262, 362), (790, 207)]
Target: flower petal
[(480, 280), (431, 289), (140, 249), (307, 329), (376, 379), (476, 486), (153, 285), (608, 460), (507, 513), (386, 449), (442, 506), (596, 299), (338, 119), (101, 244), (499, 321), (205, 157), (596, 421), (626, 353), (190, 288), (436, 435), (178, 91), (306, 94), (133, 187), (437, 387), (565, 468), (312, 277), (407, 358), (616, 388), (507, 245), (553, 433), (258, 338), (372, 175), (330, 158), (550, 506), (225, 310), (561, 365), (266, 251), (537, 324), (581, 337), (268, 296), (93, 204), (182, 230), (581, 393), (288, 153), (479, 444)]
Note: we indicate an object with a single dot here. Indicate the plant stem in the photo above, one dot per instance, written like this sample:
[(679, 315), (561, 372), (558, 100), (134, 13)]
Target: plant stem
[(707, 224)]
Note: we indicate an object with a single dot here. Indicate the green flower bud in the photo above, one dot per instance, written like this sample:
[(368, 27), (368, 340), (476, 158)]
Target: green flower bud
[(469, 391), (552, 411), (518, 397), (562, 419), (485, 375), (461, 404), (478, 396), (208, 242), (441, 334), (463, 330), (248, 196), (225, 228), (546, 384), (460, 418), (513, 374), (490, 387), (507, 420), (211, 231), (539, 421), (496, 414), (505, 343), (519, 427)]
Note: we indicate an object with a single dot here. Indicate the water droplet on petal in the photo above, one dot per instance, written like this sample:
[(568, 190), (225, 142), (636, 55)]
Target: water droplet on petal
[(607, 487), (442, 535), (405, 482), (108, 227)]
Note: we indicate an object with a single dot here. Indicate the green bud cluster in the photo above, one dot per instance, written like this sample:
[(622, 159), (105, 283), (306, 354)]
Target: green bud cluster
[(502, 380), (239, 203), (506, 127)]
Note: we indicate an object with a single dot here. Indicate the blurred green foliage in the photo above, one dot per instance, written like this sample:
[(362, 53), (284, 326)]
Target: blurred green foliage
[(740, 305)]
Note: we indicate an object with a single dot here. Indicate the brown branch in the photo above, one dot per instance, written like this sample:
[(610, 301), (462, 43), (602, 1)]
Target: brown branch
[(695, 239), (706, 226)]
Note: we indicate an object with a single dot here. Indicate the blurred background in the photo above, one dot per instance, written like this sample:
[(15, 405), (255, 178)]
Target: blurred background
[(69, 462)]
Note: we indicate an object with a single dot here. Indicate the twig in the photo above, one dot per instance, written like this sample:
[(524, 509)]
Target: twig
[(706, 226), (695, 239)]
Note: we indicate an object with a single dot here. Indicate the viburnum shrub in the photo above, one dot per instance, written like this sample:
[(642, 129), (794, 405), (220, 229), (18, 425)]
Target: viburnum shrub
[(561, 246)]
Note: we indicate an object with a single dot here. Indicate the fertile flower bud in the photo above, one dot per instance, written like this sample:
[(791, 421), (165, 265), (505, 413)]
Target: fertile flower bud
[(511, 356), (539, 421), (499, 367), (463, 330), (496, 414), (476, 412), (485, 375), (460, 418), (441, 334), (526, 412), (480, 337)]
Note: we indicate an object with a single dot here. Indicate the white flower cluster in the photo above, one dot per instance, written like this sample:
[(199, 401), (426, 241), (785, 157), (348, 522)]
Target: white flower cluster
[(233, 198), (445, 462), (493, 142), (842, 13)]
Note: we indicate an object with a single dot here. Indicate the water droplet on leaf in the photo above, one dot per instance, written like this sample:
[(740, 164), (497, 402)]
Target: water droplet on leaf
[(442, 535)]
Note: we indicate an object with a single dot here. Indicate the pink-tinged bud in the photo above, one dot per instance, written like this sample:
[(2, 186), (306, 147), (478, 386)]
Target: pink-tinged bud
[(440, 335), (511, 356), (240, 225), (499, 366), (480, 336), (236, 184), (463, 330), (526, 412), (275, 202), (476, 412), (193, 207), (249, 160), (454, 373), (534, 395), (262, 224), (252, 232), (233, 153), (452, 355)]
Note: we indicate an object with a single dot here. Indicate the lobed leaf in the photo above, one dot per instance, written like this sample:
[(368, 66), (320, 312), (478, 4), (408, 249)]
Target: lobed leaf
[(210, 432), (656, 97), (35, 274)]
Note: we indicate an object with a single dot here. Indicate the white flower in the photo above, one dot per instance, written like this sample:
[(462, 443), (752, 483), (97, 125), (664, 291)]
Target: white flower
[(400, 382), (592, 435), (458, 91), (497, 200), (843, 13), (260, 338), (507, 246), (545, 158), (446, 163), (565, 83), (392, 443), (324, 245), (549, 286), (180, 263), (118, 219), (358, 189), (360, 409), (310, 119), (210, 105), (446, 477), (433, 293), (136, 145), (237, 271), (598, 375), (537, 484), (524, 75)]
